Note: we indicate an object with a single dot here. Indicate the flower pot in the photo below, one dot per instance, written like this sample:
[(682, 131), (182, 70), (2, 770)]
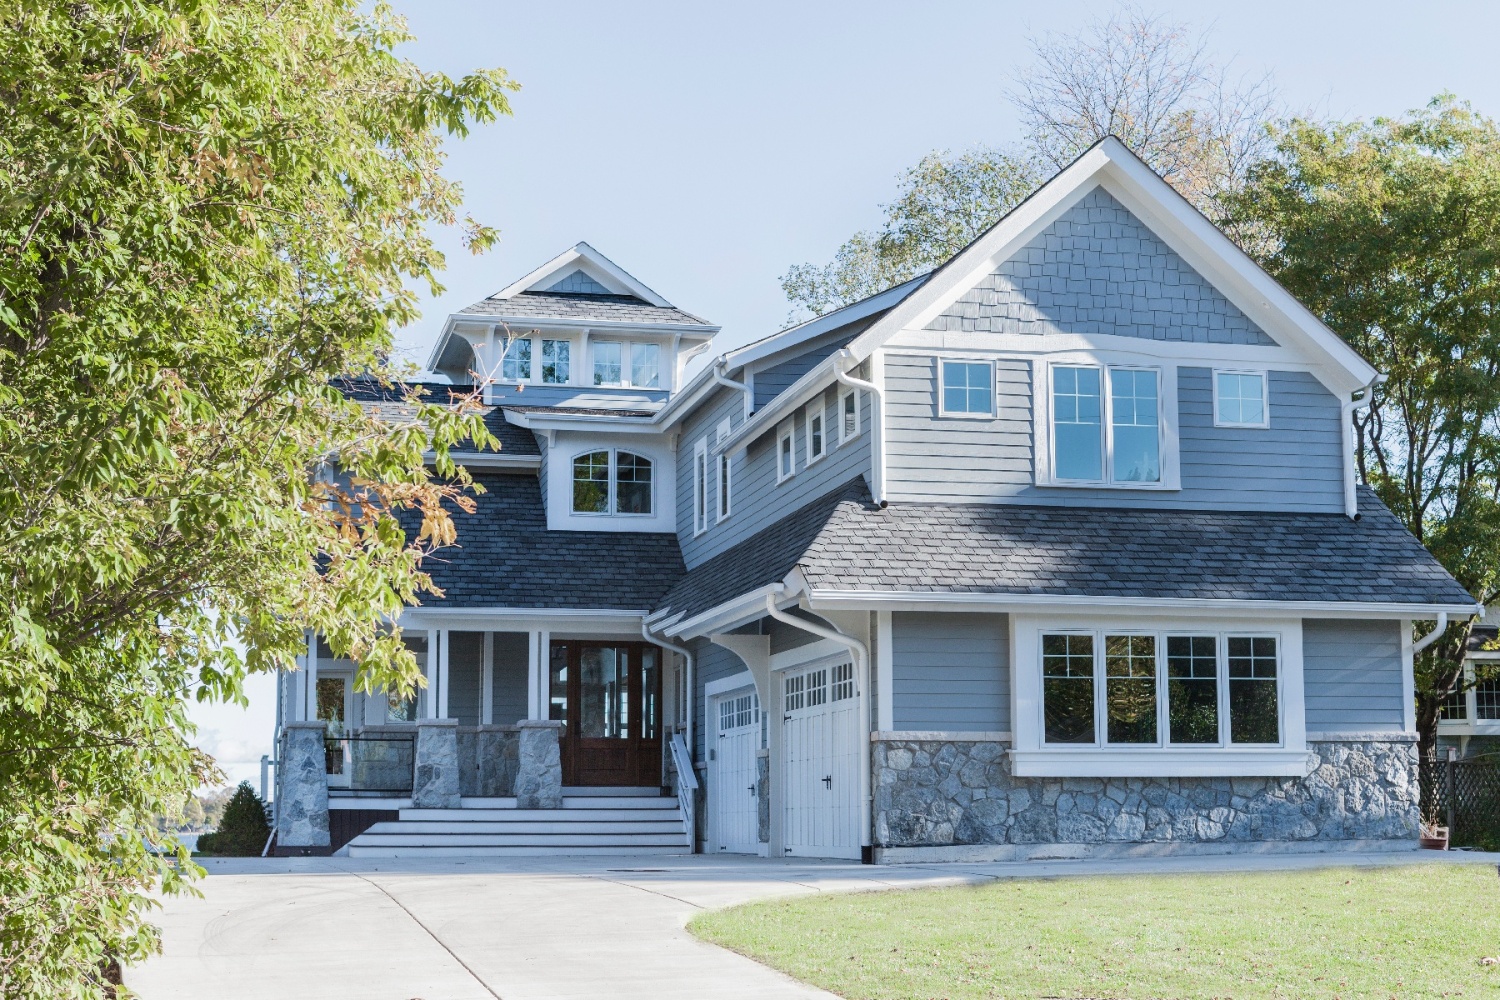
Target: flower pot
[(1436, 840)]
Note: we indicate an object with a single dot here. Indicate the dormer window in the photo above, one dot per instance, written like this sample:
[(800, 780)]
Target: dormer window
[(555, 361), (622, 363), (612, 482), (516, 367)]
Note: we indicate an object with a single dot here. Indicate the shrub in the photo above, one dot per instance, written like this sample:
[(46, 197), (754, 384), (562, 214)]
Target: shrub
[(243, 829)]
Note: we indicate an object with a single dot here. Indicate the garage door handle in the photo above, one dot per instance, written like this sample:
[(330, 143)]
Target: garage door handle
[(828, 782), (751, 789)]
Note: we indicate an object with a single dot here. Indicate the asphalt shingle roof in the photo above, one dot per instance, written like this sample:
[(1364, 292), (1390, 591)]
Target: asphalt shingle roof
[(844, 542), (506, 557), (389, 403), (572, 305)]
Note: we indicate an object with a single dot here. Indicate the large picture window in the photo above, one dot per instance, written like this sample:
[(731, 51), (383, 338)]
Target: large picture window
[(1106, 425), (612, 482), (1124, 688)]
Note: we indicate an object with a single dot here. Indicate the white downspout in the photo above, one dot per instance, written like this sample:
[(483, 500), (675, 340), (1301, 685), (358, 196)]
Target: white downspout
[(689, 693), (1351, 498), (718, 372), (861, 654), (1431, 637), (877, 423)]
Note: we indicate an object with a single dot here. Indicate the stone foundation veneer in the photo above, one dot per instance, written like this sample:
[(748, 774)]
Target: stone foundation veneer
[(302, 790), (951, 793), (434, 783)]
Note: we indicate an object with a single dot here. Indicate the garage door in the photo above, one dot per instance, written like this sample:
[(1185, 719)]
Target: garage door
[(820, 742), (736, 806)]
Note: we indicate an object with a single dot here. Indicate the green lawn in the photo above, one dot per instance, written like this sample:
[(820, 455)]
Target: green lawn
[(1417, 931)]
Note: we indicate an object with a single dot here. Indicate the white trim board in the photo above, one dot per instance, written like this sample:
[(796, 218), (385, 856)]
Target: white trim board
[(835, 600), (734, 682)]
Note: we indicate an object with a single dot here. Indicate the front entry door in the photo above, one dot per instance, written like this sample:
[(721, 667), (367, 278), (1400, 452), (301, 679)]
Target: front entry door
[(609, 694)]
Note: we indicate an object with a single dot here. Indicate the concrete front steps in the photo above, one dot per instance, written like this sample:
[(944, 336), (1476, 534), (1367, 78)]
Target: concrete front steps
[(594, 821)]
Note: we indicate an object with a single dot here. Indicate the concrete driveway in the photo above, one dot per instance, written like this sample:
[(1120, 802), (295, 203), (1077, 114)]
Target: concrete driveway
[(529, 928)]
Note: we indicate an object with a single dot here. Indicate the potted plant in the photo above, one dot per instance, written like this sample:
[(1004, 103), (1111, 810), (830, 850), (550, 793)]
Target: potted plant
[(1433, 837)]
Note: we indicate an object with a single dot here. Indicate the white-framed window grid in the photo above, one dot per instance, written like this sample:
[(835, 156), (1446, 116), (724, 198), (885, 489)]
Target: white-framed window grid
[(1235, 399), (786, 451), (966, 388), (626, 363), (628, 478), (700, 487), (1163, 710), (849, 416), (815, 430), (725, 505), (1045, 425)]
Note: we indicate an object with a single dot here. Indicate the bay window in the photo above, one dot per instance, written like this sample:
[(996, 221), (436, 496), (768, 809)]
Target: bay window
[(1106, 426)]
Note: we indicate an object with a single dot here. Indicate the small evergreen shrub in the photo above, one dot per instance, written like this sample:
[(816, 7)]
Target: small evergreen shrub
[(243, 828)]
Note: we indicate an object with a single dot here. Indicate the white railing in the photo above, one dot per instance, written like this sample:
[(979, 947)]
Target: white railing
[(687, 787)]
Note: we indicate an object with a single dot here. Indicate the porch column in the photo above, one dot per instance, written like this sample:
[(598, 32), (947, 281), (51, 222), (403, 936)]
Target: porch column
[(487, 682), (302, 803), (437, 674), (304, 700), (537, 678), (539, 765), (435, 765)]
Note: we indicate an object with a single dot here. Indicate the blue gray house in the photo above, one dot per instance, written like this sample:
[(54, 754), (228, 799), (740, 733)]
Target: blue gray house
[(1055, 551)]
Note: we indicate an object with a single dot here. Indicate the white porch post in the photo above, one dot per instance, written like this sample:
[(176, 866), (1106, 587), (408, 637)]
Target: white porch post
[(487, 689), (885, 671), (536, 677), (437, 674), (310, 680)]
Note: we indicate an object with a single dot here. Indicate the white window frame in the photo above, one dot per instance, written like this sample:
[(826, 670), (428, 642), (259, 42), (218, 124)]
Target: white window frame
[(1035, 758), (786, 432), (539, 359), (942, 409), (627, 363), (1045, 440), (613, 502), (533, 362), (1265, 397), (724, 482), (849, 392), (700, 487), (816, 410)]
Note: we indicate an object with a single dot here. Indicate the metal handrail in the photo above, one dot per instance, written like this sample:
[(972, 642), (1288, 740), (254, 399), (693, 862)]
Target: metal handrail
[(687, 786)]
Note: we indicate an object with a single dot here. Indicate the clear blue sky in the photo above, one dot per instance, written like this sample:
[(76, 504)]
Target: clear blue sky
[(706, 147)]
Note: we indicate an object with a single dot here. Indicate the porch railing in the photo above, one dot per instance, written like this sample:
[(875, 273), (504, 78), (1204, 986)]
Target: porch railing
[(370, 763), (687, 787)]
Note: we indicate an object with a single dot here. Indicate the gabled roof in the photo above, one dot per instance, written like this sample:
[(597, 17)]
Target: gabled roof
[(580, 306), (389, 403), (609, 276)]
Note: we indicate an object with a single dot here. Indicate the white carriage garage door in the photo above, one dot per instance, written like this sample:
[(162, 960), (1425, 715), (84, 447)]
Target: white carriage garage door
[(820, 746), (736, 806)]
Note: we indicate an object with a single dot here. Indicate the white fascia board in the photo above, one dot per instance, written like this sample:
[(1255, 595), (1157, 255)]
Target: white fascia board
[(440, 343), (623, 280), (791, 399), (834, 600), (688, 331), (583, 620), (537, 420), (1174, 220), (730, 614), (489, 460), (819, 325)]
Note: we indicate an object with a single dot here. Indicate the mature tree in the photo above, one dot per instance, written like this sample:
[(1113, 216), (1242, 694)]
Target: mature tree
[(1390, 231), (208, 208), (1134, 75)]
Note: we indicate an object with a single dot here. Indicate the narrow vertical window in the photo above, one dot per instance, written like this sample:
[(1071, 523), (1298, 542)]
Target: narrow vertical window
[(700, 487), (816, 440), (725, 503), (1192, 689), (849, 415), (967, 389), (516, 366), (1253, 716), (607, 362), (1240, 399), (645, 366), (591, 483), (555, 361), (1130, 688), (786, 456), (1077, 424), (1068, 688), (1133, 412), (632, 483)]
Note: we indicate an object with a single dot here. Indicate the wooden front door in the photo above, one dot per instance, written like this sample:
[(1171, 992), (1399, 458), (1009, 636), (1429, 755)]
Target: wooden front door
[(609, 694)]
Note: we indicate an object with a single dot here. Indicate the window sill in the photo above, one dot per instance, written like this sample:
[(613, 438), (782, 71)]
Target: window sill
[(1069, 484), (1211, 762)]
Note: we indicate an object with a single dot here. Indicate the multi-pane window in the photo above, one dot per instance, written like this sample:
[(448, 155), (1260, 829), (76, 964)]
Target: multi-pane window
[(612, 482), (967, 388), (737, 713), (607, 362), (1100, 437), (848, 415), (619, 362), (645, 365), (843, 681), (516, 365), (817, 440), (786, 454), (1240, 399), (794, 691), (556, 361), (1487, 699), (1456, 706), (1120, 689)]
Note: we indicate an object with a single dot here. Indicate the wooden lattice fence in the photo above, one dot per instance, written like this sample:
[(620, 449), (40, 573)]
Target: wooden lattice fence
[(1464, 795)]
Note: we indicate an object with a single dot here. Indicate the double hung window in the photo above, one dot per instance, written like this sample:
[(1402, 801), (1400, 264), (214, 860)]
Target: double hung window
[(1123, 688), (612, 482), (1106, 425)]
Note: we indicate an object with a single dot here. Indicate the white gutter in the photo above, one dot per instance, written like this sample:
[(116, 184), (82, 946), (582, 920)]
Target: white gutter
[(1431, 637), (861, 654), (877, 421), (689, 663), (1351, 498), (718, 367)]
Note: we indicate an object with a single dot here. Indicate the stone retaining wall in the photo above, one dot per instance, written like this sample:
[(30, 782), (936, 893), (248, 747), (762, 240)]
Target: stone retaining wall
[(933, 793)]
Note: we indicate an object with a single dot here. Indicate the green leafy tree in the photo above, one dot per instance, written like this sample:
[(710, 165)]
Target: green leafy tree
[(1148, 80), (208, 208), (1389, 230), (243, 829)]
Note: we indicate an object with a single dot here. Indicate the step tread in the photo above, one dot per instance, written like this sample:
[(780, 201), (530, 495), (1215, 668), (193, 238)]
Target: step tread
[(526, 826), (512, 852), (519, 839)]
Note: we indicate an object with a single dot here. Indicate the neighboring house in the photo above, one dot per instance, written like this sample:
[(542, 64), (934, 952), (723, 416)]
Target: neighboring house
[(1470, 721), (1055, 551)]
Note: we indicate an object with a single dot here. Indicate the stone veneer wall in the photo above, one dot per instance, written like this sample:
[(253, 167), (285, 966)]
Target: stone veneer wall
[(934, 793)]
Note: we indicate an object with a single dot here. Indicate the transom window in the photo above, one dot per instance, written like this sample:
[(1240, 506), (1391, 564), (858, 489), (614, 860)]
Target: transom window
[(966, 388), (1109, 688), (1240, 399), (612, 482), (1101, 437), (624, 363)]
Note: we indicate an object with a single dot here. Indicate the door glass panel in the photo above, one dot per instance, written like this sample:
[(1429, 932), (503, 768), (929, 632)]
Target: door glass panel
[(650, 695), (557, 688), (603, 693), (331, 703)]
